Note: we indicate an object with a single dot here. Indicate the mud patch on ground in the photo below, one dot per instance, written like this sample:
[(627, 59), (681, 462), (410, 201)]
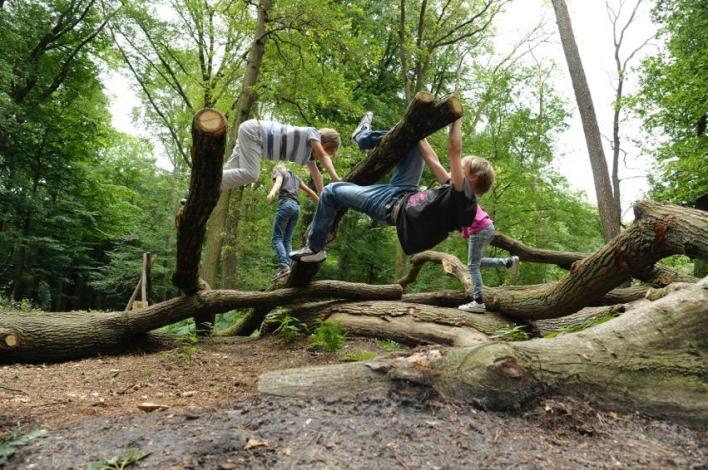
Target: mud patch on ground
[(288, 433)]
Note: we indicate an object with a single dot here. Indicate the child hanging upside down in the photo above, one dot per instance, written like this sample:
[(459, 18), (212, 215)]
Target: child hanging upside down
[(422, 218)]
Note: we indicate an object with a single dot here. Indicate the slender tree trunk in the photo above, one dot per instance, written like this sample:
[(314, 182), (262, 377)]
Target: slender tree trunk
[(603, 187), (217, 223)]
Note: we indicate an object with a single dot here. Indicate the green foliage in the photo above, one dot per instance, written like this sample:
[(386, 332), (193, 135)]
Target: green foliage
[(120, 462), (16, 439), (674, 90), (329, 336), (512, 333), (389, 345), (9, 305), (582, 325), (290, 328), (359, 355)]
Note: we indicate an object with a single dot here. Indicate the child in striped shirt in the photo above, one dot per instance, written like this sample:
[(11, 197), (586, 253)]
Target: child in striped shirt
[(272, 140)]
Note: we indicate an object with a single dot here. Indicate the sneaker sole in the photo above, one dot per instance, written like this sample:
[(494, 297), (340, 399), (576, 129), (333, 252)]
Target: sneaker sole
[(471, 310), (313, 258)]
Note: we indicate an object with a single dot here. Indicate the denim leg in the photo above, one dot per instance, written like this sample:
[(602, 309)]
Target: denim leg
[(283, 214), (409, 170), (477, 243), (369, 139), (290, 229), (370, 200)]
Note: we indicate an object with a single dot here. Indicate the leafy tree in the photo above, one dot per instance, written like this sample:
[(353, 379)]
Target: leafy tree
[(672, 101)]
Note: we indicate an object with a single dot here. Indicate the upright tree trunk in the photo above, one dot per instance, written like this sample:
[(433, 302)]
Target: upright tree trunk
[(217, 223), (603, 188)]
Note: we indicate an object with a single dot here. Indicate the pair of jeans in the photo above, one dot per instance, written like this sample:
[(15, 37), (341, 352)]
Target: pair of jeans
[(476, 245), (286, 216), (370, 200)]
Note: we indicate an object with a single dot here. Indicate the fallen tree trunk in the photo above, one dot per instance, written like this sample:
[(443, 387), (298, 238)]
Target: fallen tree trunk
[(404, 323), (653, 360), (422, 117), (62, 336), (452, 266), (660, 276), (657, 232)]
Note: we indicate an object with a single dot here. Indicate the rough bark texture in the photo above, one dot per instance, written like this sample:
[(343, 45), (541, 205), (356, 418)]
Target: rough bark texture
[(453, 298), (208, 140), (422, 117), (62, 336), (245, 102), (412, 324), (653, 360), (658, 231), (659, 277)]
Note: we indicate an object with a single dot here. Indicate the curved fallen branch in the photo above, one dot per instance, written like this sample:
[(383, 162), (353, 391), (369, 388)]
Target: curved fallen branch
[(61, 336), (653, 360), (659, 277), (658, 232)]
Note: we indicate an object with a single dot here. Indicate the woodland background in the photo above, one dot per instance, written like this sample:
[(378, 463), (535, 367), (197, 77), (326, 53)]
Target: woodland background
[(80, 201)]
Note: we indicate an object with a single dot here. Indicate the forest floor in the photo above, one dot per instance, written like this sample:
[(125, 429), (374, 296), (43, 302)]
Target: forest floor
[(87, 412)]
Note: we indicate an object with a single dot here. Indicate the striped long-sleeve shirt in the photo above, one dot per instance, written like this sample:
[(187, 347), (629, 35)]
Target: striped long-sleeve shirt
[(285, 142)]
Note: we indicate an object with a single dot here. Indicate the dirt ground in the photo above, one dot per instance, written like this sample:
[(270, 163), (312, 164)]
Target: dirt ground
[(212, 418)]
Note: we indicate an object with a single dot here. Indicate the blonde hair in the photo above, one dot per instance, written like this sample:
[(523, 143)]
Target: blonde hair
[(484, 171), (330, 138)]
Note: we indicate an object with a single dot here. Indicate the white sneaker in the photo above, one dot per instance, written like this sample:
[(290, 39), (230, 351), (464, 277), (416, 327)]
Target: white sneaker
[(364, 124), (473, 307), (514, 268), (306, 255)]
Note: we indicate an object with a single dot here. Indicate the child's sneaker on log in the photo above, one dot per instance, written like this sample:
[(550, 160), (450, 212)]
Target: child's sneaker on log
[(306, 255), (283, 271), (473, 307)]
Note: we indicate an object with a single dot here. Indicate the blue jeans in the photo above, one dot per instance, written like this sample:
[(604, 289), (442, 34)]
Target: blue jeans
[(477, 244), (370, 200), (286, 216)]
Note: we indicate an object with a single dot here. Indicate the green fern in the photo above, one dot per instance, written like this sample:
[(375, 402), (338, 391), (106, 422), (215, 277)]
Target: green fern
[(328, 336)]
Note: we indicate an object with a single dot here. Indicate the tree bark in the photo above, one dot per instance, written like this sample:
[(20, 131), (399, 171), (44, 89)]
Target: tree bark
[(653, 360), (658, 231), (208, 139), (659, 277), (217, 222), (422, 117), (62, 336), (412, 324), (601, 177)]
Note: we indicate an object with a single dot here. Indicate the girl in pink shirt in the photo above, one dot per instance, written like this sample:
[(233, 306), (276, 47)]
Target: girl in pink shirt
[(479, 234)]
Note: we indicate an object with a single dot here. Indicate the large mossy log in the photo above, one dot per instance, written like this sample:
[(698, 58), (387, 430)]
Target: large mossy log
[(659, 230), (422, 117), (61, 336), (653, 360)]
